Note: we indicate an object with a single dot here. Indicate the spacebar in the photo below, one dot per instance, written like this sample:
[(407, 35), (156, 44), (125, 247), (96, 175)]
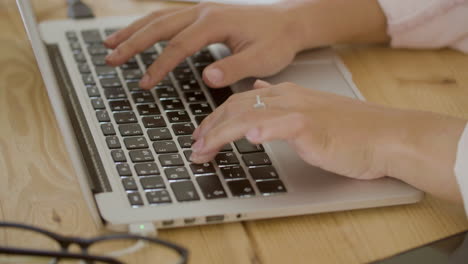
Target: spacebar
[(219, 95)]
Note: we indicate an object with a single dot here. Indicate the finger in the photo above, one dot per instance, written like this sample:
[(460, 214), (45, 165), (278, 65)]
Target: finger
[(214, 117), (118, 37), (208, 146), (259, 84), (183, 45), (232, 68), (160, 29)]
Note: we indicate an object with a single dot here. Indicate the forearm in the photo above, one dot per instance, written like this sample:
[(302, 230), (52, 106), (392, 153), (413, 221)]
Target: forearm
[(327, 22), (423, 152)]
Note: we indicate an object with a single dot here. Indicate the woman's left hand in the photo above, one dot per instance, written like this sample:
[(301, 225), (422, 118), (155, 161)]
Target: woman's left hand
[(345, 136)]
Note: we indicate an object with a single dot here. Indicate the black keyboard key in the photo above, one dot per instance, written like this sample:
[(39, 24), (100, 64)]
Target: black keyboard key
[(99, 60), (244, 146), (185, 141), (220, 95), (124, 169), (88, 79), (133, 86), (169, 160), (132, 74), (233, 172), (135, 199), (166, 92), (200, 66), (155, 182), (108, 129), (142, 155), (84, 68), (80, 58), (158, 197), (177, 173), (153, 121), (129, 184), (159, 134), (183, 129), (120, 105), (97, 50), (145, 169), (93, 91), (106, 71), (205, 168), (110, 31), (71, 35), (125, 117), (150, 50), (263, 173), (195, 97), (118, 155), (200, 109), (112, 82), (240, 188), (129, 65), (226, 158), (203, 56), (184, 191), (148, 109), (148, 59), (102, 116), (127, 130), (226, 148), (162, 147), (172, 104), (189, 85), (200, 118), (187, 154), (271, 187), (211, 187), (113, 142), (178, 116), (91, 36), (256, 159), (143, 97), (115, 93), (135, 143)]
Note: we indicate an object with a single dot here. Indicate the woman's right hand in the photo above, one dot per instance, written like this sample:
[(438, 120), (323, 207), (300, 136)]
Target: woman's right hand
[(263, 40)]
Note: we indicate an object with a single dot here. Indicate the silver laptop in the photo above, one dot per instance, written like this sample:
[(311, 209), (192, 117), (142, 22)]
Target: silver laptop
[(129, 147)]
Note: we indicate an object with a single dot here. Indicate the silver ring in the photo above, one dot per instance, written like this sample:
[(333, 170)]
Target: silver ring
[(259, 103)]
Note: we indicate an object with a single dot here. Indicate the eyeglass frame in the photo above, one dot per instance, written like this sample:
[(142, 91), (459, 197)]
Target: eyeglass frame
[(84, 243)]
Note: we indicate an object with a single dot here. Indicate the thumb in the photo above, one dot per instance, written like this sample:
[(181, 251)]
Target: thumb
[(231, 69)]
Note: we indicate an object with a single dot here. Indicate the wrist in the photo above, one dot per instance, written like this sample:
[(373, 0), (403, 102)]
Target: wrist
[(329, 22), (422, 151)]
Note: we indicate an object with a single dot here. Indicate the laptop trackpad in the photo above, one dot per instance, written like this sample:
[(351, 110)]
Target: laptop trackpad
[(323, 76)]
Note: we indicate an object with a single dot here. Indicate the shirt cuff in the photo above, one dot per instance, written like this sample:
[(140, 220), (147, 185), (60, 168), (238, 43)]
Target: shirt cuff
[(461, 167)]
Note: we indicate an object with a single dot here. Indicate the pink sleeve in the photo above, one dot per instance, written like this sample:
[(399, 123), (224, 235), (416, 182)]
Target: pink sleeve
[(427, 23)]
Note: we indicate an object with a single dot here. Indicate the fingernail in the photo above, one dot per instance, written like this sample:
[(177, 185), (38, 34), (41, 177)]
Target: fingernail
[(253, 135), (145, 81), (214, 75), (198, 146), (113, 55)]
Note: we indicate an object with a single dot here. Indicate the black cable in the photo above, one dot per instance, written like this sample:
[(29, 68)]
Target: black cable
[(79, 10)]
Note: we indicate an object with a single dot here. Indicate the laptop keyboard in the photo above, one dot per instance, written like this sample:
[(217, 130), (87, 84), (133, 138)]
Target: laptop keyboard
[(148, 133)]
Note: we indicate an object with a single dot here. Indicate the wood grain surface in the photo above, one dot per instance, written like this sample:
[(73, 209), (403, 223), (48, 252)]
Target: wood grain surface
[(38, 185)]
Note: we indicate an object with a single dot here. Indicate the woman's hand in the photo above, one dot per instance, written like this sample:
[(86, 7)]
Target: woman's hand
[(349, 137), (262, 39)]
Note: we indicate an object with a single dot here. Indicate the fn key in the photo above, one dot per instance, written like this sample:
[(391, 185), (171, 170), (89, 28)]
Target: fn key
[(271, 187)]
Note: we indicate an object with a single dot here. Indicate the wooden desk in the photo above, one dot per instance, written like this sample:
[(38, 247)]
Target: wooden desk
[(38, 185)]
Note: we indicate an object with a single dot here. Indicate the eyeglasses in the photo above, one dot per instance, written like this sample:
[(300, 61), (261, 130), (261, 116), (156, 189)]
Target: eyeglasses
[(34, 245)]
